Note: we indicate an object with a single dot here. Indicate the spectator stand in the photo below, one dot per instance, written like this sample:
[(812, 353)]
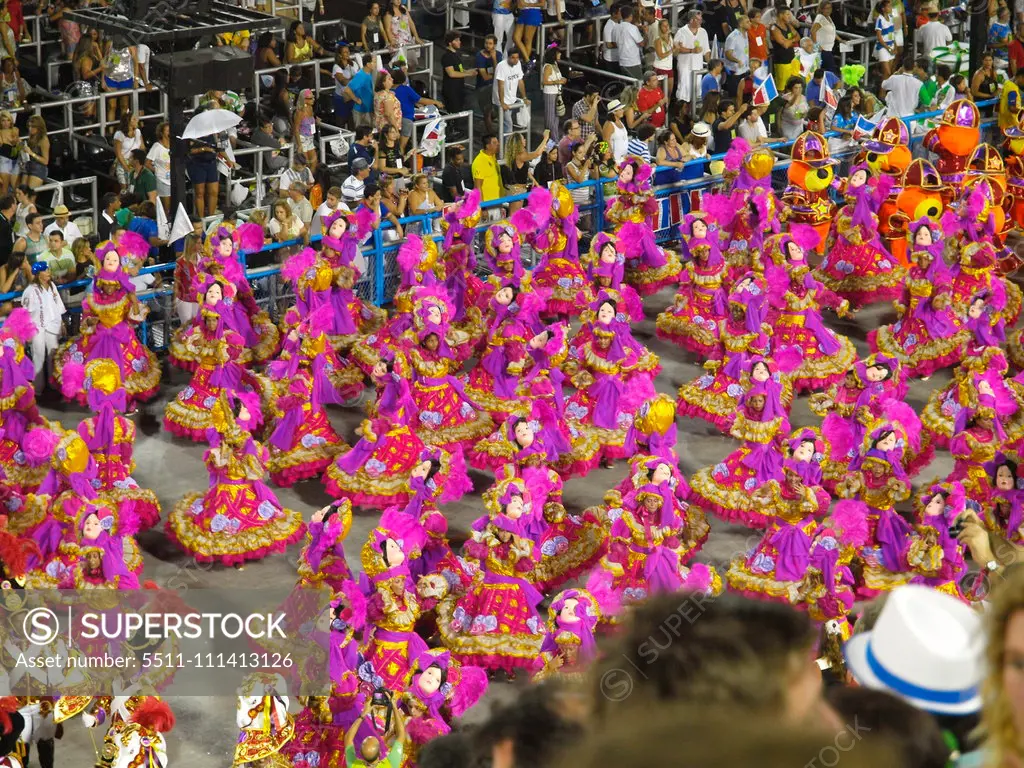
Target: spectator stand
[(381, 276)]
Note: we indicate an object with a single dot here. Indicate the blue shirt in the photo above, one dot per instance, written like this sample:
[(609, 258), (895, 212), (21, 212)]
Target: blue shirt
[(814, 89), (484, 62), (408, 98), (147, 228), (709, 84), (844, 123), (362, 86)]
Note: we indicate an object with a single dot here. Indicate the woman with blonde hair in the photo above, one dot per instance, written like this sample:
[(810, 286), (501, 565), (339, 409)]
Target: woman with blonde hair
[(285, 226), (516, 175), (36, 153), (1002, 712), (631, 116)]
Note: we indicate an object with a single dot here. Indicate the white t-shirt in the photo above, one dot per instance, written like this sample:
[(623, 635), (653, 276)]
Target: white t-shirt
[(826, 32), (629, 40), (509, 76), (70, 230), (352, 191), (325, 210), (347, 72), (609, 35), (687, 38), (128, 144), (751, 131), (737, 44), (160, 156), (290, 176), (932, 35), (902, 92)]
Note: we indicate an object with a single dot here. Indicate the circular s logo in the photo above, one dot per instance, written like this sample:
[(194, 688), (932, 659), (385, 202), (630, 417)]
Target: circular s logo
[(40, 626)]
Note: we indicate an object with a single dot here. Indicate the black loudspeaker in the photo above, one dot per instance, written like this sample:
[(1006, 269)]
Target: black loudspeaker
[(190, 73)]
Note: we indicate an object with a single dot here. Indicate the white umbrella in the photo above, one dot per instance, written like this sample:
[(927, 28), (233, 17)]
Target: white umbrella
[(209, 122)]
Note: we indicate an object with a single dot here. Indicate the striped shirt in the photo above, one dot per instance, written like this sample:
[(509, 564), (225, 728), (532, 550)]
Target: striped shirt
[(639, 148)]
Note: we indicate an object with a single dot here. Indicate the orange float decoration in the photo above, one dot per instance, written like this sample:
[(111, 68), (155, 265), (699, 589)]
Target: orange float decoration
[(954, 139), (921, 195), (1014, 162), (806, 198)]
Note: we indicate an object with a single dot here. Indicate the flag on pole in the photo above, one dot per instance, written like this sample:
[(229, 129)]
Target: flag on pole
[(715, 52), (163, 228), (862, 128), (182, 224), (828, 96), (764, 91)]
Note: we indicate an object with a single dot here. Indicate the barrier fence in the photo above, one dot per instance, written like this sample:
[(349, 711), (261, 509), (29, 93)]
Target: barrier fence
[(381, 276)]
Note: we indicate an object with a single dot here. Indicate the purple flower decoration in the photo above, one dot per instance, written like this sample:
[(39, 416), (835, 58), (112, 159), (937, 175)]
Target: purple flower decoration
[(533, 624), (13, 504), (375, 467), (706, 381), (466, 410), (430, 418), (138, 364), (885, 264), (187, 393), (209, 401), (614, 513), (634, 594), (19, 456), (698, 320), (196, 507), (734, 390), (720, 470), (267, 509), (483, 624), (564, 282), (750, 483), (219, 523), (763, 563), (78, 357)]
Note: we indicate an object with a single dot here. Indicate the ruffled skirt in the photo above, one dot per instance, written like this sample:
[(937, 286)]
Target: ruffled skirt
[(863, 274), (382, 480), (140, 369)]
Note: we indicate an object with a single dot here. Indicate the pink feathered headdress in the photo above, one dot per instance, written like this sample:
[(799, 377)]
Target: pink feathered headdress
[(249, 237), (19, 326), (134, 245), (849, 519), (630, 239), (72, 377), (410, 253), (39, 445), (906, 417), (354, 612), (296, 266), (535, 215), (733, 159), (721, 209), (470, 205)]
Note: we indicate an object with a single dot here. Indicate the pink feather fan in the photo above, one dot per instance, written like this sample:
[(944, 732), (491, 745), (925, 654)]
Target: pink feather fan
[(630, 239), (410, 253), (249, 237), (804, 235), (72, 377), (850, 520), (297, 265), (470, 204), (134, 245), (20, 326), (738, 149), (788, 359), (721, 209), (355, 611), (535, 215), (839, 436), (365, 220), (456, 481), (471, 688)]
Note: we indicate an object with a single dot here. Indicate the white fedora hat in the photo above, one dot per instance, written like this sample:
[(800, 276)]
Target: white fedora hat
[(926, 647)]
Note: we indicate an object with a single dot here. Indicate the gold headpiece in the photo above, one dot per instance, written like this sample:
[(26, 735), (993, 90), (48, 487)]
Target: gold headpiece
[(71, 454), (561, 199), (104, 374), (657, 415)]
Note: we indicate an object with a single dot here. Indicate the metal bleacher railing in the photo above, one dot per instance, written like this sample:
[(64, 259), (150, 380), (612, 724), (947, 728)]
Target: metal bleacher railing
[(381, 276)]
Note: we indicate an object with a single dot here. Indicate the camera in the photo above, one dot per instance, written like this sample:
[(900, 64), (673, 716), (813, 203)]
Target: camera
[(956, 528)]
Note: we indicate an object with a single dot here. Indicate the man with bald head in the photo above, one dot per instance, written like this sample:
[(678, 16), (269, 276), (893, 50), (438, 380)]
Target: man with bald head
[(369, 748)]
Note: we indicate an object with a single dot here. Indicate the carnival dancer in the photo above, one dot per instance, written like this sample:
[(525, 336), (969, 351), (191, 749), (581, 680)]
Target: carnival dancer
[(465, 289), (876, 482), (605, 263), (394, 605), (571, 645), (857, 265), (264, 723), (445, 414), (215, 347), (441, 690), (99, 549), (928, 336), (340, 249), (225, 247), (513, 321), (742, 335), (110, 438), (302, 442), (935, 555), (729, 488), (649, 268), (750, 211), (18, 412), (1004, 512), (978, 437), (643, 559), (548, 223), (613, 375), (797, 299), (239, 518), (322, 560), (785, 563), (502, 250), (693, 321), (111, 313)]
